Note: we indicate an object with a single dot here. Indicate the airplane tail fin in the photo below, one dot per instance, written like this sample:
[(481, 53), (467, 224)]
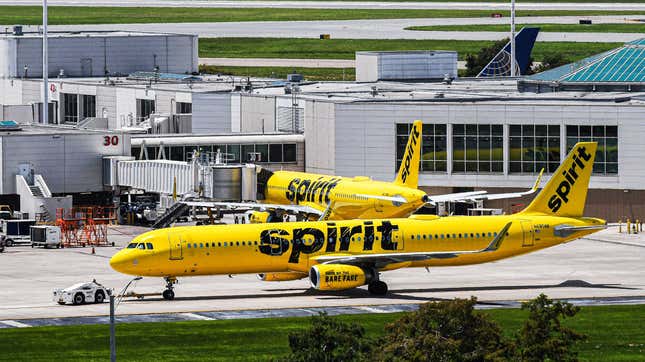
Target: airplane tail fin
[(408, 174), (500, 65), (566, 192)]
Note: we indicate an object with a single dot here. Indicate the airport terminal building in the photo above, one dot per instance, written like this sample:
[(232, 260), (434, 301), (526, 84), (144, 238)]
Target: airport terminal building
[(494, 134)]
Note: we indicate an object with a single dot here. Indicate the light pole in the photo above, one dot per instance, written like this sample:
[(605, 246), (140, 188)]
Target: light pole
[(513, 61), (112, 321), (45, 67)]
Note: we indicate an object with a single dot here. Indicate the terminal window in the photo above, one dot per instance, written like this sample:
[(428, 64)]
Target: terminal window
[(145, 107), (477, 148), (255, 153), (534, 147), (433, 146), (606, 162)]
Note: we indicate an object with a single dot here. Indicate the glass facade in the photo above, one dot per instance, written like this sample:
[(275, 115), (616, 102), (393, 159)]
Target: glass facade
[(533, 148), (433, 146), (606, 162), (478, 148)]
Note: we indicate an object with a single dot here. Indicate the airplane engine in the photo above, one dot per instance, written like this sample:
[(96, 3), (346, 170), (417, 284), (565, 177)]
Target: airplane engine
[(261, 217), (281, 277), (338, 276)]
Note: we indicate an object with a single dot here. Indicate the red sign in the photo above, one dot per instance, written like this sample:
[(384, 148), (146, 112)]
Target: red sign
[(52, 87), (110, 140)]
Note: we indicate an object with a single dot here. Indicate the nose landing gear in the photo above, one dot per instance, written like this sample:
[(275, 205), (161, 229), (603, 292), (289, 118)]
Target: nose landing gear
[(169, 294)]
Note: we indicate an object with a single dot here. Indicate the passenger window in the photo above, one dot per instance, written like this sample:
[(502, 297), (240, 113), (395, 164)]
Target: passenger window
[(460, 236), (447, 236), (219, 244), (237, 243), (188, 245), (255, 242), (489, 234), (437, 236), (195, 245), (225, 244), (201, 245), (418, 237), (430, 237), (243, 243), (495, 233), (132, 245), (472, 235), (359, 238), (141, 246), (454, 236), (149, 246), (412, 236)]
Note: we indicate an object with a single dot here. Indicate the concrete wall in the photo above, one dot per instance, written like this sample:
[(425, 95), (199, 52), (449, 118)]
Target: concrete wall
[(91, 55), (69, 163), (211, 113), (373, 66), (257, 113), (320, 131)]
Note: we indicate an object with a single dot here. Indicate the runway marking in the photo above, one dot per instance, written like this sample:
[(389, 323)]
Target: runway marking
[(15, 324), (615, 242), (197, 316), (371, 309)]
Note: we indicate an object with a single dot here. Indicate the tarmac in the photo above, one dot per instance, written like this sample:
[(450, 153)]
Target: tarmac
[(606, 268), (369, 29)]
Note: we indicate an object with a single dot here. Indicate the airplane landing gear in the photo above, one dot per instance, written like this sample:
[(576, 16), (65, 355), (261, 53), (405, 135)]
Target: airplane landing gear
[(377, 287), (169, 294)]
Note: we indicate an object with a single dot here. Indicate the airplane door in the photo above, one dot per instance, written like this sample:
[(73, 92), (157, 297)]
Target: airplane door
[(175, 244), (378, 204), (528, 233)]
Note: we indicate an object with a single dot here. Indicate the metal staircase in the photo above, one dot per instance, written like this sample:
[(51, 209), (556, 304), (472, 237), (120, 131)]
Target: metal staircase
[(171, 215), (36, 191)]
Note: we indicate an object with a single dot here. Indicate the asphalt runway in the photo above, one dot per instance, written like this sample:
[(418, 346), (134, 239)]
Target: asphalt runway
[(363, 29), (605, 269), (338, 4)]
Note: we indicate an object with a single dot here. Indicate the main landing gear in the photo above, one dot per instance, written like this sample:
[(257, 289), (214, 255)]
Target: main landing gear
[(377, 287), (169, 294)]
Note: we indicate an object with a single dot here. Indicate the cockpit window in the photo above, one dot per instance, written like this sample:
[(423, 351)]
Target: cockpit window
[(149, 246), (141, 246), (132, 245)]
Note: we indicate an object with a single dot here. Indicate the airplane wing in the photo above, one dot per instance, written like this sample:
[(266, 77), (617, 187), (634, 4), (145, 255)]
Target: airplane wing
[(382, 260), (483, 195), (255, 206)]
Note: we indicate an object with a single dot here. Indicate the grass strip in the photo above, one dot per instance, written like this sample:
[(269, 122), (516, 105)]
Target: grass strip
[(345, 48), (65, 15), (560, 28), (615, 334), (310, 74)]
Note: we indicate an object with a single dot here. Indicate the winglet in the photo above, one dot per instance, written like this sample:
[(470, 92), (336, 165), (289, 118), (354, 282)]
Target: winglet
[(497, 242), (537, 182), (408, 174), (566, 192)]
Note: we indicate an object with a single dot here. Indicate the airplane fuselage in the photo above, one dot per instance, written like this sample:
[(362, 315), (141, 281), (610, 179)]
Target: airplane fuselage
[(293, 247), (352, 198)]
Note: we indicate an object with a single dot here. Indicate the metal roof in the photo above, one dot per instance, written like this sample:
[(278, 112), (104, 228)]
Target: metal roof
[(622, 65)]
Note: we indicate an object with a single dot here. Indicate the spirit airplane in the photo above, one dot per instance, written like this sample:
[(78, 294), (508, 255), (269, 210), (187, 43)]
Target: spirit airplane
[(326, 197), (338, 255)]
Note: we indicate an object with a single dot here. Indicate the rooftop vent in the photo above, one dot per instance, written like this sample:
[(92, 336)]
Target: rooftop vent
[(17, 30)]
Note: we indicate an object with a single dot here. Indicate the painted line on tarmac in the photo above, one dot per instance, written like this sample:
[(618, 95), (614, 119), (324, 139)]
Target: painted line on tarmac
[(372, 309), (15, 324), (616, 242), (198, 317)]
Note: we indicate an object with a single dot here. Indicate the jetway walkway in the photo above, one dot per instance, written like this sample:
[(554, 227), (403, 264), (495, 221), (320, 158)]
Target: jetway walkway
[(156, 176)]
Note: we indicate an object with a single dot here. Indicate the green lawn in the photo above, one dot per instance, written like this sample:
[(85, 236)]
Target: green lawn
[(615, 334), (31, 15), (310, 74), (573, 28), (345, 48)]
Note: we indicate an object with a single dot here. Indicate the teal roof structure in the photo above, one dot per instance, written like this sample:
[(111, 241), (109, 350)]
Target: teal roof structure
[(622, 65)]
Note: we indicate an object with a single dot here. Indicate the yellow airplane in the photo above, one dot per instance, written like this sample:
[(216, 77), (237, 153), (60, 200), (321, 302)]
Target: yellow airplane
[(325, 197), (338, 255)]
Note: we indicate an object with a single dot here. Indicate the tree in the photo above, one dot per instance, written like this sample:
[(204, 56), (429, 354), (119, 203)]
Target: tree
[(551, 61), (476, 62), (442, 331), (543, 337), (329, 340)]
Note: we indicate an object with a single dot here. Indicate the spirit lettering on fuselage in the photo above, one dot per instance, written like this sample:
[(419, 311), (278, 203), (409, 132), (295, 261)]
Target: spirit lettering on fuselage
[(277, 241), (414, 138), (570, 175), (307, 190)]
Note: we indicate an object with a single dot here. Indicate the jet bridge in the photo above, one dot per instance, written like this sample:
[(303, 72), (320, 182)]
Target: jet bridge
[(198, 178)]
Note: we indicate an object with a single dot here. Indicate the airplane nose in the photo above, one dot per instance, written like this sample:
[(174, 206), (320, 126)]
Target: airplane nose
[(120, 262)]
